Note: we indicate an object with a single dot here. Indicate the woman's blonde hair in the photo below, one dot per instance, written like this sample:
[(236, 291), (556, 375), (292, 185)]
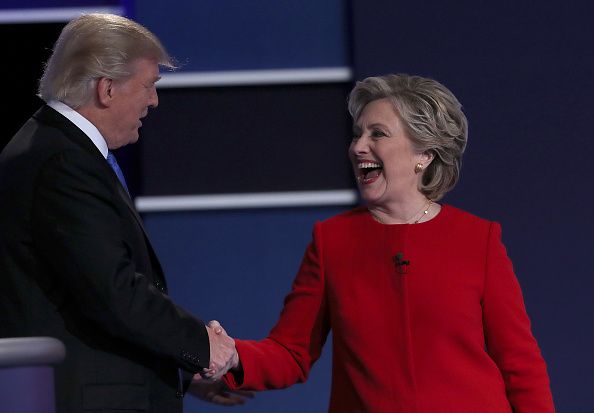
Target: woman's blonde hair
[(433, 118)]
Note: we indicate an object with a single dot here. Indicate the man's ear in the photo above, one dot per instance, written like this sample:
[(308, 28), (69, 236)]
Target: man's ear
[(104, 90)]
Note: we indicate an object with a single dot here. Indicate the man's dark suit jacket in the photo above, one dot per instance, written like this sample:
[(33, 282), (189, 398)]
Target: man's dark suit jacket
[(76, 264)]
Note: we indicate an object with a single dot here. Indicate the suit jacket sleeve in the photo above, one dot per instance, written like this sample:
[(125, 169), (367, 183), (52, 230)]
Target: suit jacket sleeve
[(507, 330), (80, 229), (285, 357)]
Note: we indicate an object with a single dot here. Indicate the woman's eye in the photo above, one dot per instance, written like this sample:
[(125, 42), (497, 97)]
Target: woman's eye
[(377, 134)]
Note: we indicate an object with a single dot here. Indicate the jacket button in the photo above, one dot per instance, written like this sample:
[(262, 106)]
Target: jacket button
[(179, 394)]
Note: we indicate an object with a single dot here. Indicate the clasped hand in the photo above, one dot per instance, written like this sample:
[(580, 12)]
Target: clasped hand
[(223, 355)]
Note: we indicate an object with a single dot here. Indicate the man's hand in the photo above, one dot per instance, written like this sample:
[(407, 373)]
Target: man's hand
[(217, 392), (223, 355)]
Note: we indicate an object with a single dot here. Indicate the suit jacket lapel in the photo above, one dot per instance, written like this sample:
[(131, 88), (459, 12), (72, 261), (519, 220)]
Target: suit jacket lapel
[(50, 116), (128, 201)]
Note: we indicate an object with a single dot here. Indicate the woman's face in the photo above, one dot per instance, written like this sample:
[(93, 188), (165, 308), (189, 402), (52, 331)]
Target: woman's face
[(383, 156)]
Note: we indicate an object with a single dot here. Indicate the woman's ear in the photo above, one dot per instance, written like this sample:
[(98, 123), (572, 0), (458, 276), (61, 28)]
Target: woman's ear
[(426, 158), (104, 90)]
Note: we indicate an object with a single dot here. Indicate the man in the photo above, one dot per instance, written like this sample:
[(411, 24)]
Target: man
[(75, 262)]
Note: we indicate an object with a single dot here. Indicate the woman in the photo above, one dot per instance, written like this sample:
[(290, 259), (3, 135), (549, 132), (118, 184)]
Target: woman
[(425, 310)]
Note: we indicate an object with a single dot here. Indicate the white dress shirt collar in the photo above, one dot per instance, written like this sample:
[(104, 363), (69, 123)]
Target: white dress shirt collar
[(82, 123)]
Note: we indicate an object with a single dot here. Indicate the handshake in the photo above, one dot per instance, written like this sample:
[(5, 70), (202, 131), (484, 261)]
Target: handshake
[(223, 354), (207, 385)]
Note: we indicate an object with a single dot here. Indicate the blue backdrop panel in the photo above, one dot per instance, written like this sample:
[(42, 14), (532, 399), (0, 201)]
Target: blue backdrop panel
[(211, 35), (236, 267), (523, 72)]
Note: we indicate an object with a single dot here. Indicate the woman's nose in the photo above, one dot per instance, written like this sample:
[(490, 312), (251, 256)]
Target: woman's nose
[(359, 145)]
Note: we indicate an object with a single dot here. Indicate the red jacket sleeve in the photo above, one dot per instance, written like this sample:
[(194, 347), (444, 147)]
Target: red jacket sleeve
[(295, 343), (507, 330)]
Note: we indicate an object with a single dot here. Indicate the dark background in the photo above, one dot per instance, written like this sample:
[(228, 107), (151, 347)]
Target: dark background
[(522, 70)]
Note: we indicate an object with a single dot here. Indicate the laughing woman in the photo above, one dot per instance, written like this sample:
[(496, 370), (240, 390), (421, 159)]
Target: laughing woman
[(421, 298)]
